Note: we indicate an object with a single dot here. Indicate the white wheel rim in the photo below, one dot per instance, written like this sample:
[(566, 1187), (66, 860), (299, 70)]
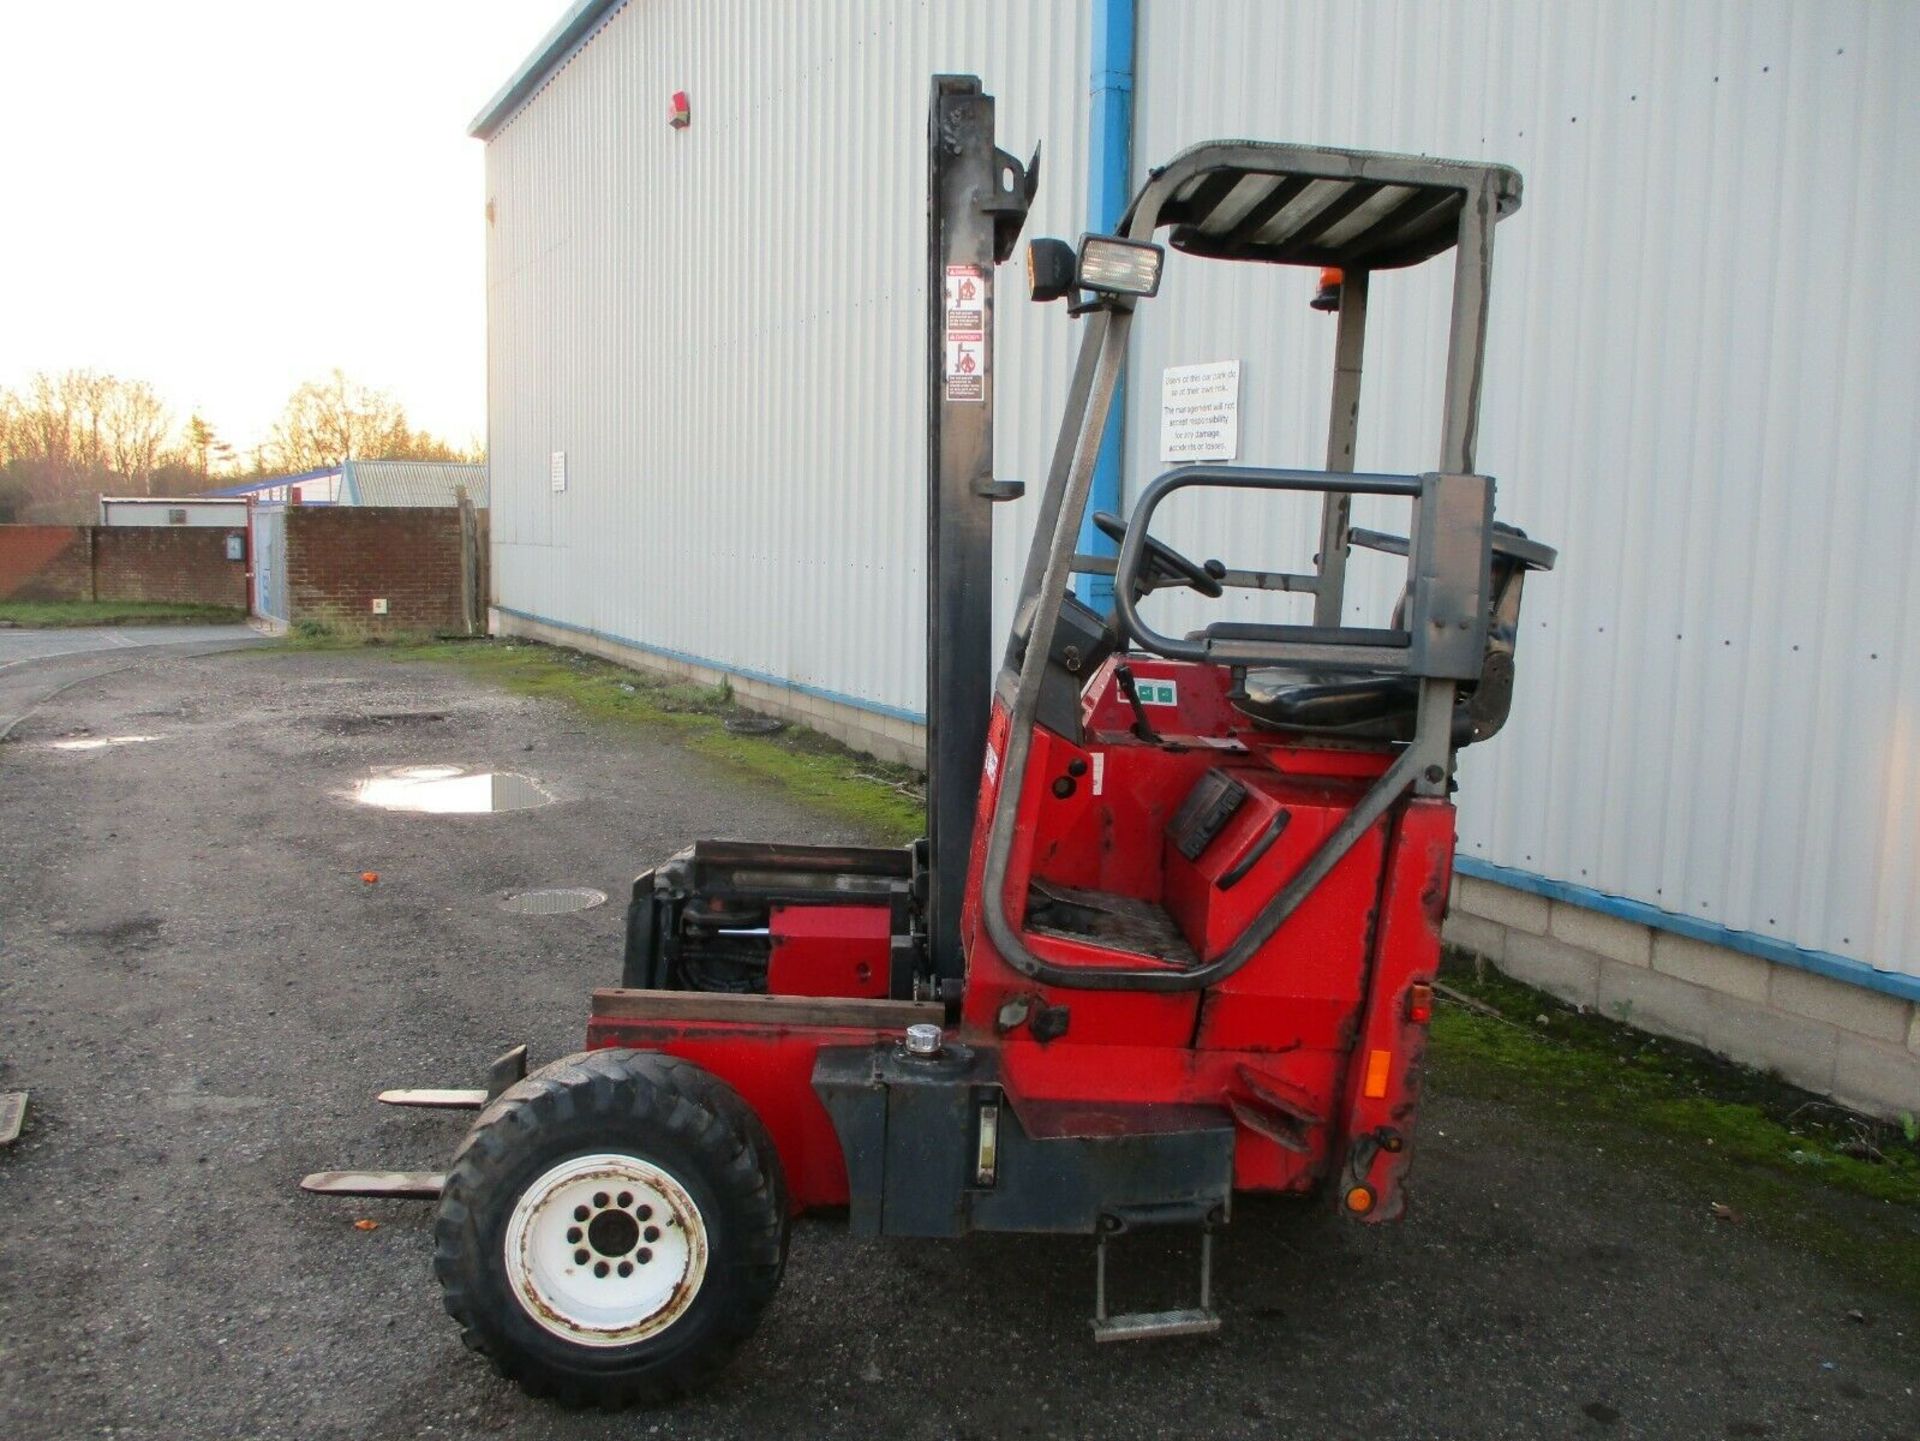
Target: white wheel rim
[(643, 1240)]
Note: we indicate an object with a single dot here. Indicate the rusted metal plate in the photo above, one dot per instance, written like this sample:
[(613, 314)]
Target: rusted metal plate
[(441, 1100), (392, 1185), (764, 1010), (13, 1115)]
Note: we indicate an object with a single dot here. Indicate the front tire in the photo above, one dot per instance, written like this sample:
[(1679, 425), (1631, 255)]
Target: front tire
[(612, 1228)]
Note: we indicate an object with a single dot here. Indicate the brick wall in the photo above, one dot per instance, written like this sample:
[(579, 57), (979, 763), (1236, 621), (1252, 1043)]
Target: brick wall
[(46, 562), (186, 565), (340, 559), (183, 564)]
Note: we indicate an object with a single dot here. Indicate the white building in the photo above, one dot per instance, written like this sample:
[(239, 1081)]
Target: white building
[(706, 417), (161, 510)]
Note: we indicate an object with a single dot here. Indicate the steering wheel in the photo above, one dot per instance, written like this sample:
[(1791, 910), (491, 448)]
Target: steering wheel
[(1163, 560)]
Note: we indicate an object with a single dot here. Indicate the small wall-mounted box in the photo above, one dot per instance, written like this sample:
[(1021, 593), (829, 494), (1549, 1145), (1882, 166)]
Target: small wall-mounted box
[(380, 606)]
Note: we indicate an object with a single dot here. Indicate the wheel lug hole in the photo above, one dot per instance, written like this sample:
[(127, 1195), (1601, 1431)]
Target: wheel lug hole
[(643, 1255), (645, 1213), (581, 1257), (600, 1269), (626, 1269), (573, 1235), (580, 1213), (600, 1200), (624, 1200)]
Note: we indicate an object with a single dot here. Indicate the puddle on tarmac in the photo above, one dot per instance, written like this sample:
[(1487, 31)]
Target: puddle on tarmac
[(450, 791), (97, 743)]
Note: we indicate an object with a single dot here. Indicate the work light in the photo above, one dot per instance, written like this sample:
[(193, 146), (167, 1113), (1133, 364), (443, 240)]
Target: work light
[(1119, 267)]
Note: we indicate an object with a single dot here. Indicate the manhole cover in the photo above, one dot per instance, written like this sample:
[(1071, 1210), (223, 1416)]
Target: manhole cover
[(554, 901)]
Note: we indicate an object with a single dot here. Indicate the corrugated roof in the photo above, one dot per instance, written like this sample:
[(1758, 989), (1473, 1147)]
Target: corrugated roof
[(413, 482), (577, 24)]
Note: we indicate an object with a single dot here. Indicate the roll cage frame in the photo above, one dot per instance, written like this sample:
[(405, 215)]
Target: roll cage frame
[(1298, 205)]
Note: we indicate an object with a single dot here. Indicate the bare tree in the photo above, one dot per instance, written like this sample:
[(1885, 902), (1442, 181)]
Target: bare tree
[(66, 437), (135, 424), (55, 441), (335, 419)]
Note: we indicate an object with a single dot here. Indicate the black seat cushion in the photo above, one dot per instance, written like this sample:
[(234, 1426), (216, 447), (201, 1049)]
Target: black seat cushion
[(1359, 707)]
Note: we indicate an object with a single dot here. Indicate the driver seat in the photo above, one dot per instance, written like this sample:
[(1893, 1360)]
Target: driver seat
[(1381, 707), (1352, 707)]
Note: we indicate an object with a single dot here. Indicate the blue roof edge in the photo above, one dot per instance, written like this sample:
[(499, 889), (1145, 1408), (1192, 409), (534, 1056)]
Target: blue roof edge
[(263, 482), (574, 26)]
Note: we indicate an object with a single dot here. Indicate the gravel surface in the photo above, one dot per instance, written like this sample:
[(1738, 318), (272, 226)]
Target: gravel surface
[(203, 996)]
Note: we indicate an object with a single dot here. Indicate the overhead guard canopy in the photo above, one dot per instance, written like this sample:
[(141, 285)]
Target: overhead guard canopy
[(1314, 205)]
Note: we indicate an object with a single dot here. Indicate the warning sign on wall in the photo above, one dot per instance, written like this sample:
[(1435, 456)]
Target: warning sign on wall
[(966, 333), (1200, 411)]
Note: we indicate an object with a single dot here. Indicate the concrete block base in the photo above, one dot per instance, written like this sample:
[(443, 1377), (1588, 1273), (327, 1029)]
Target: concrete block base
[(1858, 1046)]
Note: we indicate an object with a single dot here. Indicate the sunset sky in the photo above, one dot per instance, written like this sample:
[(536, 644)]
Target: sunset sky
[(225, 199)]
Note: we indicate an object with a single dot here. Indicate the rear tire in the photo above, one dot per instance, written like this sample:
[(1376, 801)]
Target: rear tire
[(612, 1228)]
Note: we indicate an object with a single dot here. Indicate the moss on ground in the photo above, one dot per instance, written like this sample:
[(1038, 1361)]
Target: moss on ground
[(50, 614), (885, 802), (1788, 1163)]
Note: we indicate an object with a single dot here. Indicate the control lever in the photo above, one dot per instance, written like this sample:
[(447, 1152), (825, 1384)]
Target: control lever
[(1142, 727)]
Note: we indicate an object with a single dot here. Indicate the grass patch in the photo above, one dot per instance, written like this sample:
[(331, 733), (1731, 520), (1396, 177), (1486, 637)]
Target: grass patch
[(50, 614), (1746, 1139), (884, 801)]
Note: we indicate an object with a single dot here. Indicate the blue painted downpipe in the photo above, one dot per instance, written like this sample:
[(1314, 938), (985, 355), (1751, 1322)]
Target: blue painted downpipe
[(1109, 188)]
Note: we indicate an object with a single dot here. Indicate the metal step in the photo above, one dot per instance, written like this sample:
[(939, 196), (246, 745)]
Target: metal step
[(390, 1185), (441, 1100), (13, 1115), (1156, 1325), (1201, 1320)]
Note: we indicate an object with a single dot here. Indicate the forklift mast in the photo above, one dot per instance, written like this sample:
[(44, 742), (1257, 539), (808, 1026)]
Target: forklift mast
[(977, 200)]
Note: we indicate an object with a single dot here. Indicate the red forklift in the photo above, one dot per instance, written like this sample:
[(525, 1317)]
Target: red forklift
[(1174, 929)]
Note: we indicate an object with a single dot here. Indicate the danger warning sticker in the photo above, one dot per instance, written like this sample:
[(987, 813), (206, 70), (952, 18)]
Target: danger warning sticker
[(966, 368), (966, 347)]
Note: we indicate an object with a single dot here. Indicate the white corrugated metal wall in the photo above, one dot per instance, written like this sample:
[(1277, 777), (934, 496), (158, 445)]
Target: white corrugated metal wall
[(723, 326), (1700, 383)]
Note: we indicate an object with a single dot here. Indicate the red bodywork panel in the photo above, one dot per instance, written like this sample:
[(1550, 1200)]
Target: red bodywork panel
[(1283, 1044), (829, 950), (772, 1069)]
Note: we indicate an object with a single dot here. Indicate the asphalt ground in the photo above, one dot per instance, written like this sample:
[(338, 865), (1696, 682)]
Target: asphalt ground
[(203, 996), (29, 677)]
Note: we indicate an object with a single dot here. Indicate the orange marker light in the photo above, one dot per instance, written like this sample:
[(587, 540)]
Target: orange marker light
[(1379, 1063), (1360, 1200)]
